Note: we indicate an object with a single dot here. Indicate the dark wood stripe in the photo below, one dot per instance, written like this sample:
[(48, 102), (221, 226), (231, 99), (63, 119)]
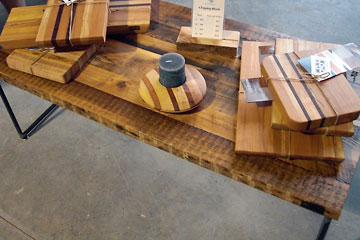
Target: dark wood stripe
[(152, 92), (71, 23), (173, 99), (188, 94), (294, 93), (308, 91), (56, 26)]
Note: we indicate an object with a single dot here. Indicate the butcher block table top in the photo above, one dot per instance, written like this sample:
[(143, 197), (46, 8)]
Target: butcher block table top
[(206, 135)]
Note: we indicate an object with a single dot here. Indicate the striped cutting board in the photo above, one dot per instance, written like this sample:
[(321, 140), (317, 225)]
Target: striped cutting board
[(82, 23), (303, 102)]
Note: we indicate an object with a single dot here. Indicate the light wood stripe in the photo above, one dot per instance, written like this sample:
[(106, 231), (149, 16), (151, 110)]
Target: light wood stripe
[(152, 92)]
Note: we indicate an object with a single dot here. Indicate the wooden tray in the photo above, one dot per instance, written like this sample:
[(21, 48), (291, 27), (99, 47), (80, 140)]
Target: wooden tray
[(304, 103), (254, 135), (118, 69), (56, 66)]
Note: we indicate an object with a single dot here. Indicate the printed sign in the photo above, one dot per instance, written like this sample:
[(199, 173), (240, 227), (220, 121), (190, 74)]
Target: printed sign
[(208, 18)]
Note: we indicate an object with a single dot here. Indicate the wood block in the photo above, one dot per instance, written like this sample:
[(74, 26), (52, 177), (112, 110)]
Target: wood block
[(344, 129), (23, 23), (254, 136), (56, 66), (129, 16), (228, 46), (173, 100), (305, 103), (22, 27), (88, 24)]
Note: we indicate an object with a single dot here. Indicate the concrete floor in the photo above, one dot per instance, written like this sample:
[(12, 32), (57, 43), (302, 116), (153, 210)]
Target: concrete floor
[(76, 179)]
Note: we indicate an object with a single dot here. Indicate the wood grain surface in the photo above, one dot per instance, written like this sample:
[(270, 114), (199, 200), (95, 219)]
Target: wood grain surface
[(228, 46), (344, 129), (129, 16), (23, 23), (305, 103), (254, 134), (21, 27), (82, 23), (173, 100), (56, 66), (322, 189)]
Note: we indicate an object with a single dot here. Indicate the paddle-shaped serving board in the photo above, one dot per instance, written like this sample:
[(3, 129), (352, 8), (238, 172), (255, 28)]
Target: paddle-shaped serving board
[(118, 69), (254, 134)]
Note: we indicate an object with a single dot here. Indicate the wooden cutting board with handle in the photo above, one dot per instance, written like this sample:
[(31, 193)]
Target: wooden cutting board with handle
[(254, 134)]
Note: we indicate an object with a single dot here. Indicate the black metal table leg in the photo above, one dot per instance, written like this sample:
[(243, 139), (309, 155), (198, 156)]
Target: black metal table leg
[(323, 228), (34, 125)]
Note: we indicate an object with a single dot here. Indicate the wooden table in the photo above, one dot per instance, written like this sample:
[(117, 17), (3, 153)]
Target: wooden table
[(323, 189)]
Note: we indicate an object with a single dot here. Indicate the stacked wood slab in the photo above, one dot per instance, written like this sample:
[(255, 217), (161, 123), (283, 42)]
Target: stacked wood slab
[(262, 130)]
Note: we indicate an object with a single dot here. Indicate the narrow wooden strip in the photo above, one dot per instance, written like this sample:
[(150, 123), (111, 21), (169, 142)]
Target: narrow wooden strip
[(152, 93), (188, 94), (294, 93), (308, 91), (71, 24), (56, 27), (173, 99)]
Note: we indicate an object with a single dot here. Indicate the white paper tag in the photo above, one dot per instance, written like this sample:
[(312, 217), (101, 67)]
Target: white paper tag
[(208, 18), (320, 66)]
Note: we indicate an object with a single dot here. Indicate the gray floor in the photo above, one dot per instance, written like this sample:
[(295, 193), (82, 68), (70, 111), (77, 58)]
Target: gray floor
[(75, 179)]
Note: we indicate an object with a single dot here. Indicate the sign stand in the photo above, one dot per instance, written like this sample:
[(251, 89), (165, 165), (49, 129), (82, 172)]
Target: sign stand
[(207, 32)]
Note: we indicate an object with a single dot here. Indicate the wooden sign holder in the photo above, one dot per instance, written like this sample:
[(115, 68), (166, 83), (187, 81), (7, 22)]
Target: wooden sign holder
[(228, 46)]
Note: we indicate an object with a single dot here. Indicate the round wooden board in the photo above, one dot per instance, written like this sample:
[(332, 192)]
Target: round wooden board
[(173, 100)]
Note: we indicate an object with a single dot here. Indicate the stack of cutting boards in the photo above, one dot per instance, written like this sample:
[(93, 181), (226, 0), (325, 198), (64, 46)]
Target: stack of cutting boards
[(68, 37), (300, 123)]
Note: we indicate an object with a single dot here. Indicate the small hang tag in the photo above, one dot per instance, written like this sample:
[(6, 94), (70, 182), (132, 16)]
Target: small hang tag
[(254, 92), (320, 66), (330, 63)]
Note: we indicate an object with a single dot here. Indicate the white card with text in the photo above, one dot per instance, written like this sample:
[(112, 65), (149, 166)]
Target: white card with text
[(208, 18)]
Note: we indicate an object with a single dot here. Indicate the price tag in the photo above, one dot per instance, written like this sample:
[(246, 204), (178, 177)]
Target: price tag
[(208, 18)]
